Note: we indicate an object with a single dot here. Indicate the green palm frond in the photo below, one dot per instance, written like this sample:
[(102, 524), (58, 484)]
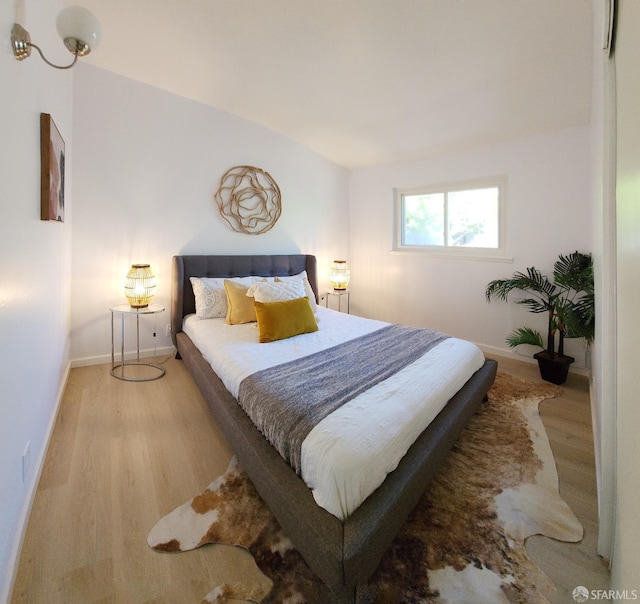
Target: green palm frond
[(533, 282), (534, 305), (574, 272), (525, 335), (581, 319)]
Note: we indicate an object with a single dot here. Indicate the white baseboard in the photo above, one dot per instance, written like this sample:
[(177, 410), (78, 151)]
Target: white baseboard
[(526, 358), (505, 352), (128, 356), (14, 557)]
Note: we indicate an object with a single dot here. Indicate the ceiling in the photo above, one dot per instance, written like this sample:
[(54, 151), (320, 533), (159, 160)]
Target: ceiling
[(364, 82)]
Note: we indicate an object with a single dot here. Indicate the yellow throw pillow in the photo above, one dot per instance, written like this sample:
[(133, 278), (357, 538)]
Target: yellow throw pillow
[(280, 320), (240, 307)]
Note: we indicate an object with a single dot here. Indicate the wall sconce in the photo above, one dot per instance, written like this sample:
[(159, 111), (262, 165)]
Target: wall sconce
[(78, 27), (339, 275), (140, 285)]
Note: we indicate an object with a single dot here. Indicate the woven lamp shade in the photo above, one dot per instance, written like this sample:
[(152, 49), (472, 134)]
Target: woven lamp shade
[(339, 275), (140, 285)]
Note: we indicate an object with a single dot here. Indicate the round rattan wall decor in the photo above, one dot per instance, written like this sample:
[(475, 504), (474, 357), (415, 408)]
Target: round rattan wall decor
[(249, 200)]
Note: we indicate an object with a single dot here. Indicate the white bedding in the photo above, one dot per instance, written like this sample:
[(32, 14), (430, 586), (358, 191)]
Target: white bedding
[(349, 453)]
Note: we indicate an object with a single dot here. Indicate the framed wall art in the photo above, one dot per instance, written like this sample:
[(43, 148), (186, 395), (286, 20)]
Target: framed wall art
[(52, 159)]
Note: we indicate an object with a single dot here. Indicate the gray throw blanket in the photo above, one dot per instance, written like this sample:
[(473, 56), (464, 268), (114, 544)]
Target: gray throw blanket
[(285, 402)]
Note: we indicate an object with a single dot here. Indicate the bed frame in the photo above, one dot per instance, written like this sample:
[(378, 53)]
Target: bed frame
[(342, 553)]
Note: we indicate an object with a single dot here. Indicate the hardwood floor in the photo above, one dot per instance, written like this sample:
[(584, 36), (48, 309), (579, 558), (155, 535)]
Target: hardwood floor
[(124, 454)]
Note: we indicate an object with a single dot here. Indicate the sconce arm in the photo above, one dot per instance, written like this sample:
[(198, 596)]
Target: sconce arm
[(75, 58)]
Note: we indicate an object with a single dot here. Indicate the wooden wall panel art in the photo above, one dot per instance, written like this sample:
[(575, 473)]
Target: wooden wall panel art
[(249, 200), (52, 170)]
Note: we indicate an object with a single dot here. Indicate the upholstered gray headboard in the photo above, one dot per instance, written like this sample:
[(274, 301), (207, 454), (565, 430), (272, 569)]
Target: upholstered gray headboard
[(182, 298)]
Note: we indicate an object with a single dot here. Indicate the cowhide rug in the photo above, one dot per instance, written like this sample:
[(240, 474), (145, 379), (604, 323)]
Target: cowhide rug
[(464, 542)]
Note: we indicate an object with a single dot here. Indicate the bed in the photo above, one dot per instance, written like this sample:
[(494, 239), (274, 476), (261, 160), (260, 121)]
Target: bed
[(342, 551)]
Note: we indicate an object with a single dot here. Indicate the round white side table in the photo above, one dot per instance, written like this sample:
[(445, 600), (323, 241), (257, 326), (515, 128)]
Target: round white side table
[(123, 310), (340, 294)]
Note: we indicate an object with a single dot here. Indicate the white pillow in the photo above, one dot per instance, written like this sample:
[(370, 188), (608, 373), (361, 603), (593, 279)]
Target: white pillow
[(279, 291), (211, 297), (307, 287)]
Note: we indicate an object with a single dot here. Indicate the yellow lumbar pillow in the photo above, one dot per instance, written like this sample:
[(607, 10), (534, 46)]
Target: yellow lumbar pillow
[(280, 320), (240, 308)]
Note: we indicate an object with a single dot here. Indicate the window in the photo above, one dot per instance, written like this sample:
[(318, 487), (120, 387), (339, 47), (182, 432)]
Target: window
[(464, 219)]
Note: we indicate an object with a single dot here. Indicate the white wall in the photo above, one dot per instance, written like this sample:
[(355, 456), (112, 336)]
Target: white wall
[(34, 266), (626, 559), (147, 166), (549, 212)]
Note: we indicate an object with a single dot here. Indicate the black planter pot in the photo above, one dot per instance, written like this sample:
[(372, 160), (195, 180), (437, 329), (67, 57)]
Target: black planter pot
[(553, 369)]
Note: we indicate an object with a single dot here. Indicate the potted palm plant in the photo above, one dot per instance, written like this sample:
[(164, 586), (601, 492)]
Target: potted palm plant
[(568, 301)]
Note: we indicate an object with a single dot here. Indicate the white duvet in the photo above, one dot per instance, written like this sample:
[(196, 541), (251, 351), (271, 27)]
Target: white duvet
[(349, 453)]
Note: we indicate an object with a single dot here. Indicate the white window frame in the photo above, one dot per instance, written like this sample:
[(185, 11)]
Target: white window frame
[(472, 253)]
